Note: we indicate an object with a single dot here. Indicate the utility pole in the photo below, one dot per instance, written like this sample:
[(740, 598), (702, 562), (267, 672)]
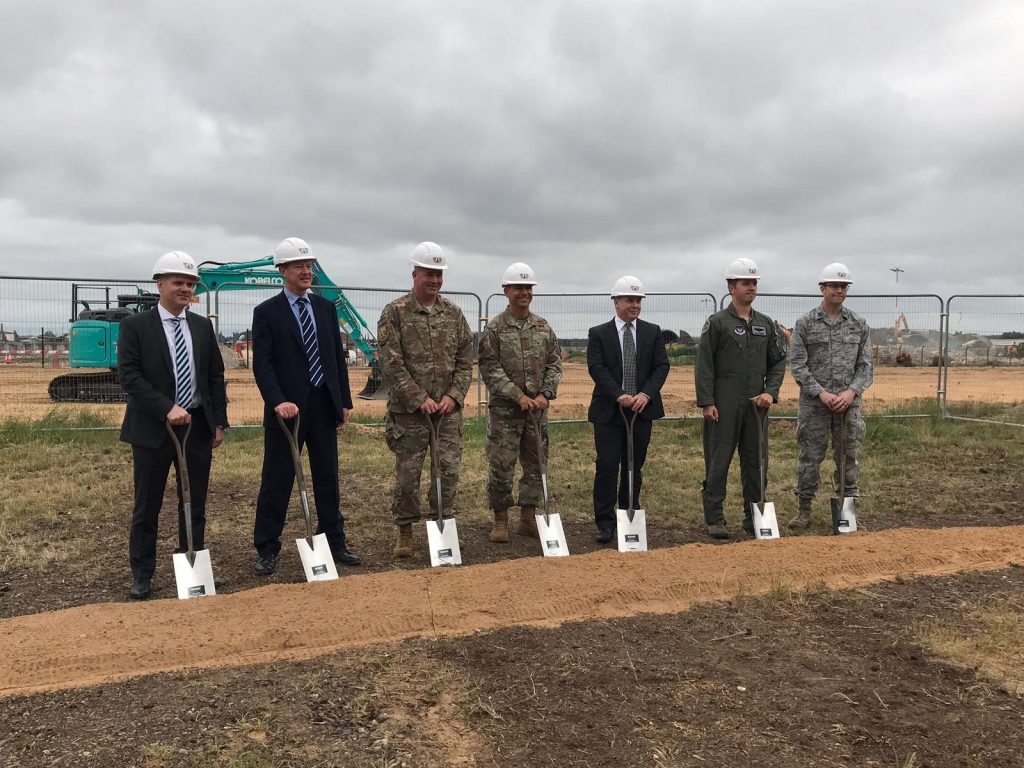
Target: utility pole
[(897, 270)]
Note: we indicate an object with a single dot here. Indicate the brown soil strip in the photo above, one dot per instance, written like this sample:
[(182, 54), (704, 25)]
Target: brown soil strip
[(101, 643)]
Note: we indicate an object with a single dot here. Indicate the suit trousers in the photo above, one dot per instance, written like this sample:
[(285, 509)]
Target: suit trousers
[(318, 431), (611, 474), (151, 466)]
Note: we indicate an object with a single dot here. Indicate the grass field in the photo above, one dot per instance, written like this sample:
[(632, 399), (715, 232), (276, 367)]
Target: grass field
[(916, 672)]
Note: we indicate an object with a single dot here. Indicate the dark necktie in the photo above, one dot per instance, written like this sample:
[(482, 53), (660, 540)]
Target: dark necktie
[(182, 367), (316, 372), (628, 360)]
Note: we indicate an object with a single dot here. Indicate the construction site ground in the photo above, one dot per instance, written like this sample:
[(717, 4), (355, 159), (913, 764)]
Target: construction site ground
[(23, 390)]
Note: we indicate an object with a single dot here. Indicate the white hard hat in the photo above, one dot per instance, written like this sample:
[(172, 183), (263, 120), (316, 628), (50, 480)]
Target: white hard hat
[(429, 255), (175, 263), (742, 269), (292, 249), (835, 273), (627, 285), (518, 274)]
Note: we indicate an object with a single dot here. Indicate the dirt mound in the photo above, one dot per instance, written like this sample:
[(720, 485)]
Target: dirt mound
[(100, 643)]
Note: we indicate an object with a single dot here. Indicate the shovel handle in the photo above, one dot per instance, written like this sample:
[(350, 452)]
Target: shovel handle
[(762, 446), (186, 487), (434, 425), (629, 421), (537, 420), (842, 456), (300, 477)]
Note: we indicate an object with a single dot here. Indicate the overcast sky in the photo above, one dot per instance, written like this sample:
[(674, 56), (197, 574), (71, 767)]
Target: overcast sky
[(589, 139)]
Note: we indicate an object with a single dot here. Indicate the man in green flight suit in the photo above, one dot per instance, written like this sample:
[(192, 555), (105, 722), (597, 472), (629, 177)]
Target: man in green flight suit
[(740, 361), (521, 363)]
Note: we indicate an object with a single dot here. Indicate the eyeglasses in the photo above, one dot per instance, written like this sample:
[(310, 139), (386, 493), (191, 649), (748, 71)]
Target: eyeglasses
[(837, 286)]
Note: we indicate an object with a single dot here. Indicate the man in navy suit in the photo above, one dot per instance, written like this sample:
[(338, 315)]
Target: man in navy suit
[(627, 360), (170, 367), (300, 367)]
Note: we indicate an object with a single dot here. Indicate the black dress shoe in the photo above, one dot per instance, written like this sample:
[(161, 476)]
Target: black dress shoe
[(347, 558), (605, 535), (140, 589), (266, 565)]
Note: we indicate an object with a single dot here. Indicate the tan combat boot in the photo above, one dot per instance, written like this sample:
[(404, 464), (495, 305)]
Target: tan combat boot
[(528, 522), (499, 530), (404, 546), (803, 516)]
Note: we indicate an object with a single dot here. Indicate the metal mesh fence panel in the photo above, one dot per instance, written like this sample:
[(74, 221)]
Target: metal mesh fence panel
[(906, 342), (984, 373), (571, 315), (36, 315)]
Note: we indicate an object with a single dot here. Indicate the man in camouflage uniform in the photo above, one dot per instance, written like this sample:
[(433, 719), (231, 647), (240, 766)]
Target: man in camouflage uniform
[(521, 364), (426, 356), (831, 360), (739, 360)]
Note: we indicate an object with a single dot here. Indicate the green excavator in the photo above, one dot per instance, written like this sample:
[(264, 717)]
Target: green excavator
[(93, 333)]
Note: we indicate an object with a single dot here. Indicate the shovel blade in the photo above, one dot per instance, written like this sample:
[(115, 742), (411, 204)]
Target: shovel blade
[(766, 524), (844, 515), (632, 535), (444, 544), (552, 537), (194, 579), (317, 561)]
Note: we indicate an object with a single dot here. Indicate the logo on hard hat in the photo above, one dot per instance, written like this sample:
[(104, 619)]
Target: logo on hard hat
[(303, 250), (524, 275), (438, 259), (634, 287)]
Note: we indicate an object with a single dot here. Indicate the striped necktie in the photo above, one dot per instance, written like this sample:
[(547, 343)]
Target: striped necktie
[(628, 360), (316, 372), (182, 367)]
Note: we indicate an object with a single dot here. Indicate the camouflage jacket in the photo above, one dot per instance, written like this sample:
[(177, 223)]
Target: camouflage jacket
[(737, 360), (516, 362), (424, 352), (831, 357)]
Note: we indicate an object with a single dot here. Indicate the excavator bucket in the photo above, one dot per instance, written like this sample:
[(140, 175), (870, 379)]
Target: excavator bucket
[(374, 389)]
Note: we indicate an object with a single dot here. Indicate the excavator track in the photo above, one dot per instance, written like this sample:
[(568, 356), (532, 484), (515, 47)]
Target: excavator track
[(102, 387)]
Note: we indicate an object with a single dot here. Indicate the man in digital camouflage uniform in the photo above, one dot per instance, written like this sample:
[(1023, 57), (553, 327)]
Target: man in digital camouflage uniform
[(521, 364), (740, 360), (426, 356), (830, 356)]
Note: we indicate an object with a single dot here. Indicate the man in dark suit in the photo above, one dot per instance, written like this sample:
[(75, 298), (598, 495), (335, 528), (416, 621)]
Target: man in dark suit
[(627, 360), (300, 367), (170, 366)]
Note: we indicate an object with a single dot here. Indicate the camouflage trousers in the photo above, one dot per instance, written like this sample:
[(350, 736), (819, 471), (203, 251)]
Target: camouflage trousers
[(815, 424), (512, 437), (408, 437)]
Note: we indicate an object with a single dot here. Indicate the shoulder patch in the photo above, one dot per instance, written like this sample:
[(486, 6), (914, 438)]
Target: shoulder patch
[(707, 324)]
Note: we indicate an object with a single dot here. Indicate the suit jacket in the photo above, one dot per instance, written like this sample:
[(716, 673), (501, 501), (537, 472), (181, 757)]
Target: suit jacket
[(279, 358), (146, 372), (604, 361)]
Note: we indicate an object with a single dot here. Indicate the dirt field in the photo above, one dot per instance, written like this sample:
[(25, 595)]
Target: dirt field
[(23, 391)]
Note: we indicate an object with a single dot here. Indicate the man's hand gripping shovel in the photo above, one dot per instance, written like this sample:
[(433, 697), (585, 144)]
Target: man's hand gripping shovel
[(766, 524), (193, 572), (844, 509), (314, 551), (631, 523), (442, 535), (549, 526)]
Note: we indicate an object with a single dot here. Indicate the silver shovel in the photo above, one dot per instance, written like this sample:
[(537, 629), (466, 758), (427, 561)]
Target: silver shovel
[(631, 524), (766, 524), (442, 535), (844, 509), (314, 551), (193, 572), (549, 526)]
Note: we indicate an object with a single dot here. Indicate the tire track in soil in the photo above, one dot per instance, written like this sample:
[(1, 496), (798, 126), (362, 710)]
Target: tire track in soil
[(100, 643)]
